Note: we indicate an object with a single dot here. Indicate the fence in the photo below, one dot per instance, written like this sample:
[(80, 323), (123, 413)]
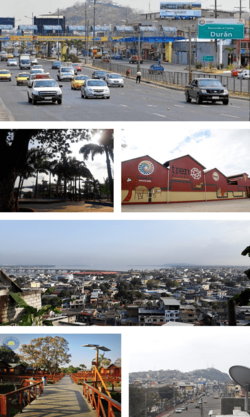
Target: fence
[(233, 84), (20, 398), (104, 406)]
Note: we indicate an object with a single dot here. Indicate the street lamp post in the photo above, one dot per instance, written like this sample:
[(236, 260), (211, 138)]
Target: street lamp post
[(58, 36), (86, 35), (97, 348), (138, 31)]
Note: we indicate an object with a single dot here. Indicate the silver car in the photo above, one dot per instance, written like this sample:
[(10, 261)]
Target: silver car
[(94, 89), (114, 80), (12, 62)]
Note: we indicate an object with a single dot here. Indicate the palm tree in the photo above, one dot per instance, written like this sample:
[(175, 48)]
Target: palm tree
[(230, 49), (106, 145)]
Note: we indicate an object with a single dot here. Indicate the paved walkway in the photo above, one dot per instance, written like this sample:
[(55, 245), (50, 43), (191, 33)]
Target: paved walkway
[(230, 206), (71, 207), (63, 399)]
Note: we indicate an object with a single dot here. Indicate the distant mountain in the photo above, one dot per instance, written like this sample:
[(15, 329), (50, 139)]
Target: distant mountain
[(106, 12), (210, 374)]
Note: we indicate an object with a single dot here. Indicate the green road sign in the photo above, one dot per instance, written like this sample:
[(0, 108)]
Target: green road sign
[(221, 29), (208, 58)]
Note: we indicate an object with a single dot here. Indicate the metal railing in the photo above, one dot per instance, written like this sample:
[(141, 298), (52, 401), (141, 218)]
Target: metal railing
[(233, 84), (20, 398)]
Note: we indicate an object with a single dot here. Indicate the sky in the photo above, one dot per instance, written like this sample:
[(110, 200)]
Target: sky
[(15, 7), (79, 354), (188, 349), (224, 149), (109, 244)]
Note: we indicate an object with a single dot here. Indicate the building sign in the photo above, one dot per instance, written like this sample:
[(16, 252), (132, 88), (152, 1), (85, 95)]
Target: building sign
[(221, 29), (146, 167), (182, 10), (215, 176), (195, 173), (208, 58)]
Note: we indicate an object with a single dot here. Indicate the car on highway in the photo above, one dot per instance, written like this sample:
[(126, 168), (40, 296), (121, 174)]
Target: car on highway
[(33, 61), (65, 73), (5, 75), (178, 410), (42, 76), (206, 89), (22, 78), (56, 64), (44, 91), (114, 80), (37, 71), (95, 88), (245, 74), (37, 67), (77, 67), (134, 59), (99, 75), (4, 56), (117, 57), (78, 81), (12, 62), (156, 69)]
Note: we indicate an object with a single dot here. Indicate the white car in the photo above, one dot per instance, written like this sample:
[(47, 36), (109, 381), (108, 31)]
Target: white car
[(244, 74), (115, 80), (65, 73), (178, 410), (44, 90), (34, 61), (95, 88), (12, 62)]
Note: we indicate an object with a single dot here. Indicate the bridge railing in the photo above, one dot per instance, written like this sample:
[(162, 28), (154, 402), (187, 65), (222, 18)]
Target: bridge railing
[(177, 77), (101, 403), (20, 398)]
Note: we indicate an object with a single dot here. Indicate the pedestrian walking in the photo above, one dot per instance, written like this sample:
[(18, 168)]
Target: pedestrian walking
[(138, 77), (128, 73)]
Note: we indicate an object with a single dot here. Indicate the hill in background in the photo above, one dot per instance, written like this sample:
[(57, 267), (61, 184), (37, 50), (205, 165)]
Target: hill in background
[(210, 374), (107, 12)]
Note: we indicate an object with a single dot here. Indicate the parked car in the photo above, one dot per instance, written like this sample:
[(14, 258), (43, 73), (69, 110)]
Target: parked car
[(206, 89), (244, 74), (95, 88)]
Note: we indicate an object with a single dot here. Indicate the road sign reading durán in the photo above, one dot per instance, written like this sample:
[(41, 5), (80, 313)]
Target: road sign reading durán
[(221, 28)]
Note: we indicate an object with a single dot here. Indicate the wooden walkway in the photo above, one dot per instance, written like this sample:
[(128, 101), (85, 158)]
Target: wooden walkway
[(63, 399)]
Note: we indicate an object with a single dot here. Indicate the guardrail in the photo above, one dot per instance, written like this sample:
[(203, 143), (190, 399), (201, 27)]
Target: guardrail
[(101, 403), (22, 397), (233, 84)]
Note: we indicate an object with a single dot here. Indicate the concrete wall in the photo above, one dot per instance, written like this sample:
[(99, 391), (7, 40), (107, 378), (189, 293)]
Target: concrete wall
[(228, 404), (8, 307)]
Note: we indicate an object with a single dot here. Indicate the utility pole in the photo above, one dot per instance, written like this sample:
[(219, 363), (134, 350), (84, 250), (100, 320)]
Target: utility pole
[(146, 411), (190, 55), (240, 15), (202, 414), (216, 42)]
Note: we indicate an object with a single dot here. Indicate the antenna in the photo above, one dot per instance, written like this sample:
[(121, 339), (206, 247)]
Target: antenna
[(241, 375)]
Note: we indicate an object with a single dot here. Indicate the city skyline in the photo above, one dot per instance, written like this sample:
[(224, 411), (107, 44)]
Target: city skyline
[(109, 244)]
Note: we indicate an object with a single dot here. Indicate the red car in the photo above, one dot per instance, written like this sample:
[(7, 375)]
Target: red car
[(235, 72), (77, 67)]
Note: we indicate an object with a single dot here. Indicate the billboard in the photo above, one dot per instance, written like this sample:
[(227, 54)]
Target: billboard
[(183, 10), (221, 29)]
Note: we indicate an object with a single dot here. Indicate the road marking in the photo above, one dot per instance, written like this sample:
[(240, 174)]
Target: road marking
[(229, 115), (236, 107), (123, 105), (161, 115), (151, 105), (177, 105), (203, 105)]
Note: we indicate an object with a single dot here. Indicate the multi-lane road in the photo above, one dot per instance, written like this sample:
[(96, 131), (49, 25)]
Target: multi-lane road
[(134, 102)]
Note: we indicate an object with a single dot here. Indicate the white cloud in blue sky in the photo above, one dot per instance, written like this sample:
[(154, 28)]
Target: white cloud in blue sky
[(225, 149)]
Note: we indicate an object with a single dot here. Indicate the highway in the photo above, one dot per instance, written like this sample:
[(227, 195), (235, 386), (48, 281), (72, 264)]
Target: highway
[(134, 102), (210, 404)]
